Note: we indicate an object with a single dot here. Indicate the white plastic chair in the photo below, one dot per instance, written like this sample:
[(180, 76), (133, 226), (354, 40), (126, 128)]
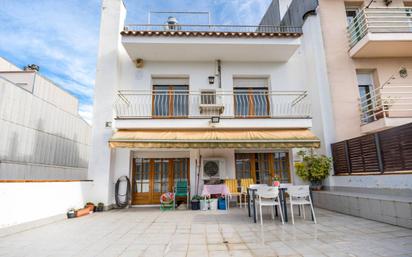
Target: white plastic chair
[(269, 196), (300, 196)]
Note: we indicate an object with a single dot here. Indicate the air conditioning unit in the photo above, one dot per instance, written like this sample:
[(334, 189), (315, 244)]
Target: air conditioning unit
[(210, 103), (213, 168)]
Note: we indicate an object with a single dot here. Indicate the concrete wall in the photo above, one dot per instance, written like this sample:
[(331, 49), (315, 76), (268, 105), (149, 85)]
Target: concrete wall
[(25, 202), (40, 140)]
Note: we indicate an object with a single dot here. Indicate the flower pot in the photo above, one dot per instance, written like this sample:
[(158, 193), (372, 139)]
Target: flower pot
[(316, 185), (213, 204), (90, 207), (99, 208), (82, 212), (71, 214), (195, 204)]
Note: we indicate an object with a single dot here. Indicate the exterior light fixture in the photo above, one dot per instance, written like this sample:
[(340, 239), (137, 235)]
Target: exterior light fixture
[(215, 119), (108, 124), (403, 72), (211, 80)]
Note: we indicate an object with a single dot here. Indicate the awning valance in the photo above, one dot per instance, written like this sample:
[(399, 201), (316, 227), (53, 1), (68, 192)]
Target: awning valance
[(215, 138)]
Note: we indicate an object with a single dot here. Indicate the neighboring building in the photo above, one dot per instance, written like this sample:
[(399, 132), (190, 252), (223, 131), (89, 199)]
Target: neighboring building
[(171, 97), (368, 54), (43, 137)]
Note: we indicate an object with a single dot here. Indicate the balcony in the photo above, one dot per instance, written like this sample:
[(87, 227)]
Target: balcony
[(196, 108), (386, 107), (381, 32), (210, 42)]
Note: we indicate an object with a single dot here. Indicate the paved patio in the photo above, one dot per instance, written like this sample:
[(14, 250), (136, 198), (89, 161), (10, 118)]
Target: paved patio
[(149, 232)]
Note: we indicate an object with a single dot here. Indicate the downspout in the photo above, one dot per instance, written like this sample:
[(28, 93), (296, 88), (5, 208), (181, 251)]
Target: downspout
[(219, 72)]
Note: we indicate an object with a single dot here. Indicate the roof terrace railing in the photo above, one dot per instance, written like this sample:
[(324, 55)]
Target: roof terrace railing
[(213, 28), (379, 20)]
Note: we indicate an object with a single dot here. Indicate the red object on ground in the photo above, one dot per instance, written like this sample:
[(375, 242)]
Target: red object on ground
[(83, 212)]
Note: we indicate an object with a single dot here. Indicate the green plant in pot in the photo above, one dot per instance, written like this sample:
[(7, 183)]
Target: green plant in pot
[(195, 202), (313, 168)]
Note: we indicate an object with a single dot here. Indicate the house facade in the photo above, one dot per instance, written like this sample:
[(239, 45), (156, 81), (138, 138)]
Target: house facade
[(43, 136), (171, 98)]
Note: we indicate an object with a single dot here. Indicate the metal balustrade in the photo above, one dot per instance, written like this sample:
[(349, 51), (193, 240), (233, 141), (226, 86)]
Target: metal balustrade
[(379, 20), (390, 101), (137, 104), (213, 28)]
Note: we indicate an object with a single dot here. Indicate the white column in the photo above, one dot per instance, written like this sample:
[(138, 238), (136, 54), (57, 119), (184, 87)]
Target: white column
[(107, 73), (318, 84)]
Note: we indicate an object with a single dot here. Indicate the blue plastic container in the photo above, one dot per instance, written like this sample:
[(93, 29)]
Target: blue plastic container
[(221, 203)]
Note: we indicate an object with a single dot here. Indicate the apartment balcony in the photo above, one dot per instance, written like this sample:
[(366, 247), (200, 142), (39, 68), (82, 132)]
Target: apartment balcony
[(210, 42), (381, 32), (235, 109), (386, 107)]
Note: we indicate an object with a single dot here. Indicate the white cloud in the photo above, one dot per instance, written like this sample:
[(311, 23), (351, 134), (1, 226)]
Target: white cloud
[(60, 36)]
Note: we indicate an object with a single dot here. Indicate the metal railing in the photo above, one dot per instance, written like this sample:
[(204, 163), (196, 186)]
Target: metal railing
[(379, 20), (197, 104), (393, 101), (213, 28)]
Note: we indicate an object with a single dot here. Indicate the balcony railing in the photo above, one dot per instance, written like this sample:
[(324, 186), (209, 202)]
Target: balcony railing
[(214, 28), (393, 101), (165, 104), (379, 20)]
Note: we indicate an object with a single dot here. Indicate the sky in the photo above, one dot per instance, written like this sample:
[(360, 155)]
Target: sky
[(61, 36)]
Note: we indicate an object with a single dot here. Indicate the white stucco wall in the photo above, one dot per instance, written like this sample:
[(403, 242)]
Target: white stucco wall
[(25, 202)]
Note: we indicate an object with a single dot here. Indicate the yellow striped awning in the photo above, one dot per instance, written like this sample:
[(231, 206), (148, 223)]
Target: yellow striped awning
[(214, 138)]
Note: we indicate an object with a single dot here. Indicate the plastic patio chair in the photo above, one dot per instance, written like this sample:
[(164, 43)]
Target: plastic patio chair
[(182, 190), (269, 196), (244, 184), (300, 196), (232, 186)]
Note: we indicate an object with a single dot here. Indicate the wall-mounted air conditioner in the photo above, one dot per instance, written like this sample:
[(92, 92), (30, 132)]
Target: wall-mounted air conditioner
[(210, 103), (213, 168)]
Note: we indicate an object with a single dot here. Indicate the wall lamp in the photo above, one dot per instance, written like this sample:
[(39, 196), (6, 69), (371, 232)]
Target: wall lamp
[(211, 80), (215, 119)]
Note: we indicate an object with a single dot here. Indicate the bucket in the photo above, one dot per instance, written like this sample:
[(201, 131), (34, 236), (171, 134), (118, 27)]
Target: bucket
[(204, 205), (213, 204), (222, 203)]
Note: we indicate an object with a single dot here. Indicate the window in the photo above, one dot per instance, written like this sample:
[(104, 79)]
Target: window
[(262, 167), (366, 95), (170, 101), (351, 13), (251, 97)]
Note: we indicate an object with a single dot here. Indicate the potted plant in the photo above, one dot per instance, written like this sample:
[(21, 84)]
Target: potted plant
[(276, 181), (314, 168), (100, 207), (90, 205), (195, 202), (71, 213)]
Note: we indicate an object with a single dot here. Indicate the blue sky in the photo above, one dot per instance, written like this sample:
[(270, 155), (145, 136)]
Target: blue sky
[(61, 36)]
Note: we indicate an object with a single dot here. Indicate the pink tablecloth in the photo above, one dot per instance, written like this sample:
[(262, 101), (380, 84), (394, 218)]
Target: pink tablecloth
[(215, 189)]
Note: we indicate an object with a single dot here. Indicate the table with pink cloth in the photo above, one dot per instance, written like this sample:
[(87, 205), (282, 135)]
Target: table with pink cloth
[(209, 190)]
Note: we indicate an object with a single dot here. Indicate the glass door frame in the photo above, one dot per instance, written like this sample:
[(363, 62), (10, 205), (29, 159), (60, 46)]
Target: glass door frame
[(153, 197)]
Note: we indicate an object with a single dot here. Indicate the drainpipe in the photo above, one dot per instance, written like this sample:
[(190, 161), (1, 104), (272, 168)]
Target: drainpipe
[(219, 72)]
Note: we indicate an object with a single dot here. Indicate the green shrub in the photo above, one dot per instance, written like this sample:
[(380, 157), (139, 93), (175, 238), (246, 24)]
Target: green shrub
[(313, 168)]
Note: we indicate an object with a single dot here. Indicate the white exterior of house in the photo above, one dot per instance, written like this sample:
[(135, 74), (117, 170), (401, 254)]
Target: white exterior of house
[(286, 63)]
